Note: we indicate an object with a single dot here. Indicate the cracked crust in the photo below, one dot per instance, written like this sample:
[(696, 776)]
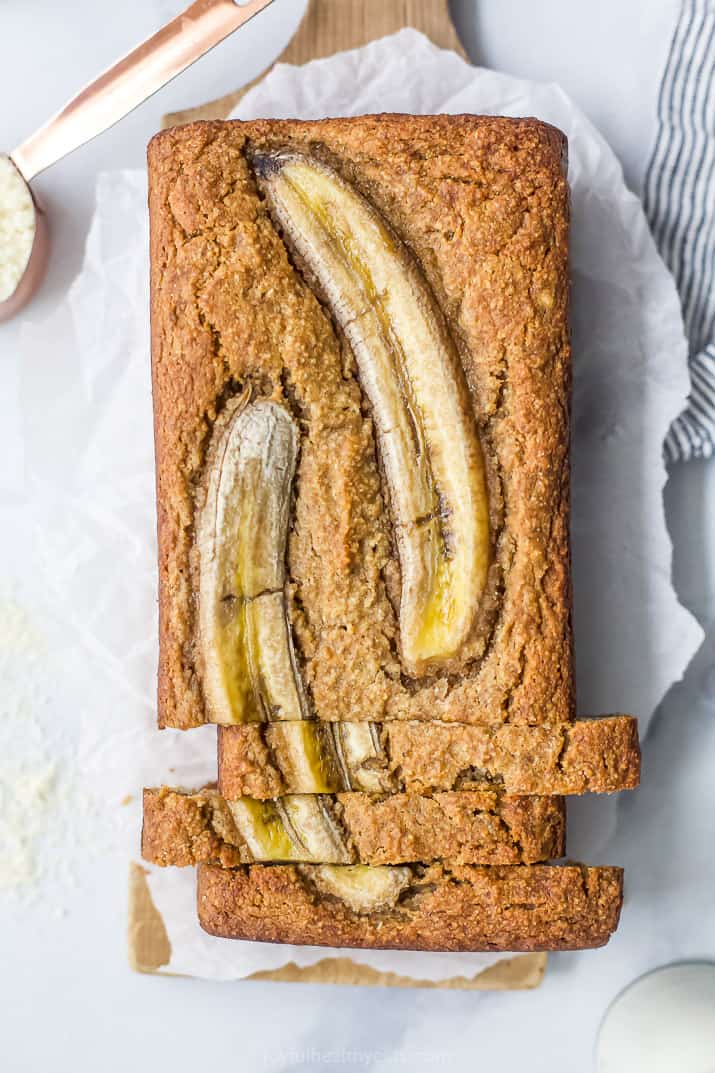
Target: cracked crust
[(589, 755), (481, 827), (537, 907), (482, 203)]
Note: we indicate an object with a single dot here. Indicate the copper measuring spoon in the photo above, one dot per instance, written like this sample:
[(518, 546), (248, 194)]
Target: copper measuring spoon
[(101, 104)]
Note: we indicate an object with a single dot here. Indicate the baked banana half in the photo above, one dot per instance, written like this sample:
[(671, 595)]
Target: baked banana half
[(249, 667), (411, 374)]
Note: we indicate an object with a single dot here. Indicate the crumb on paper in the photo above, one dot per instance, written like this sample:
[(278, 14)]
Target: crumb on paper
[(126, 800)]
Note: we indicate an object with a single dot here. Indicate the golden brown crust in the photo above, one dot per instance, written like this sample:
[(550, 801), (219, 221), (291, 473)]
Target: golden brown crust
[(535, 907), (482, 203), (589, 755), (481, 827)]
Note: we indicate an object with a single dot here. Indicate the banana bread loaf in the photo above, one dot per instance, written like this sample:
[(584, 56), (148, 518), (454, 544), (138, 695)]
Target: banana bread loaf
[(361, 378)]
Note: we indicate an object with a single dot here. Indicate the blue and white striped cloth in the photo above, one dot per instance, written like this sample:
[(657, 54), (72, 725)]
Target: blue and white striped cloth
[(679, 199)]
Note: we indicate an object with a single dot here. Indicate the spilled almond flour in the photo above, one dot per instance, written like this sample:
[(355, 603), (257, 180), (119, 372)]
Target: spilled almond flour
[(41, 799), (28, 776), (25, 801)]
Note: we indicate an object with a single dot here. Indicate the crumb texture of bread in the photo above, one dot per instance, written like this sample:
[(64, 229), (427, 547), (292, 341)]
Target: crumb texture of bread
[(469, 827), (182, 829), (537, 907), (482, 204), (586, 756), (482, 827)]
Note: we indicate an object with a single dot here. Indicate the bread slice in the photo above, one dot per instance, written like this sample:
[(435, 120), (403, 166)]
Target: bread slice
[(589, 755), (480, 827), (478, 207), (435, 907)]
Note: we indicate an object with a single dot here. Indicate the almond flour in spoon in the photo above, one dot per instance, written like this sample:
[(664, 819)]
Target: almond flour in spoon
[(17, 227)]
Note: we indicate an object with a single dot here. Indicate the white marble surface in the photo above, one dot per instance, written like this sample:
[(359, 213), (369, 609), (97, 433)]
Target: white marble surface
[(68, 1000)]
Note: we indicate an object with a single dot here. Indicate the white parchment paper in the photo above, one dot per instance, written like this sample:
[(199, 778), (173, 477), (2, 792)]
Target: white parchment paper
[(88, 509)]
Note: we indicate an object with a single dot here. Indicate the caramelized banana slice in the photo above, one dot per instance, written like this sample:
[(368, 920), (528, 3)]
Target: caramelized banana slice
[(308, 818), (272, 666), (311, 761), (411, 374), (297, 827), (247, 656), (365, 888), (262, 829), (363, 757), (319, 758)]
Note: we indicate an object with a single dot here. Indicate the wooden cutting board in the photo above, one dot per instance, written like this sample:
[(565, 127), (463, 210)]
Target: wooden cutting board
[(330, 26)]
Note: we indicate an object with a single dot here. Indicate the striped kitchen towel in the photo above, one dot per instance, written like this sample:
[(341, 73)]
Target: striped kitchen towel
[(679, 199)]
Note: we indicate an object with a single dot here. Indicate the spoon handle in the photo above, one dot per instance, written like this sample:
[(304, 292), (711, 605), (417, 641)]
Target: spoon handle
[(134, 78)]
